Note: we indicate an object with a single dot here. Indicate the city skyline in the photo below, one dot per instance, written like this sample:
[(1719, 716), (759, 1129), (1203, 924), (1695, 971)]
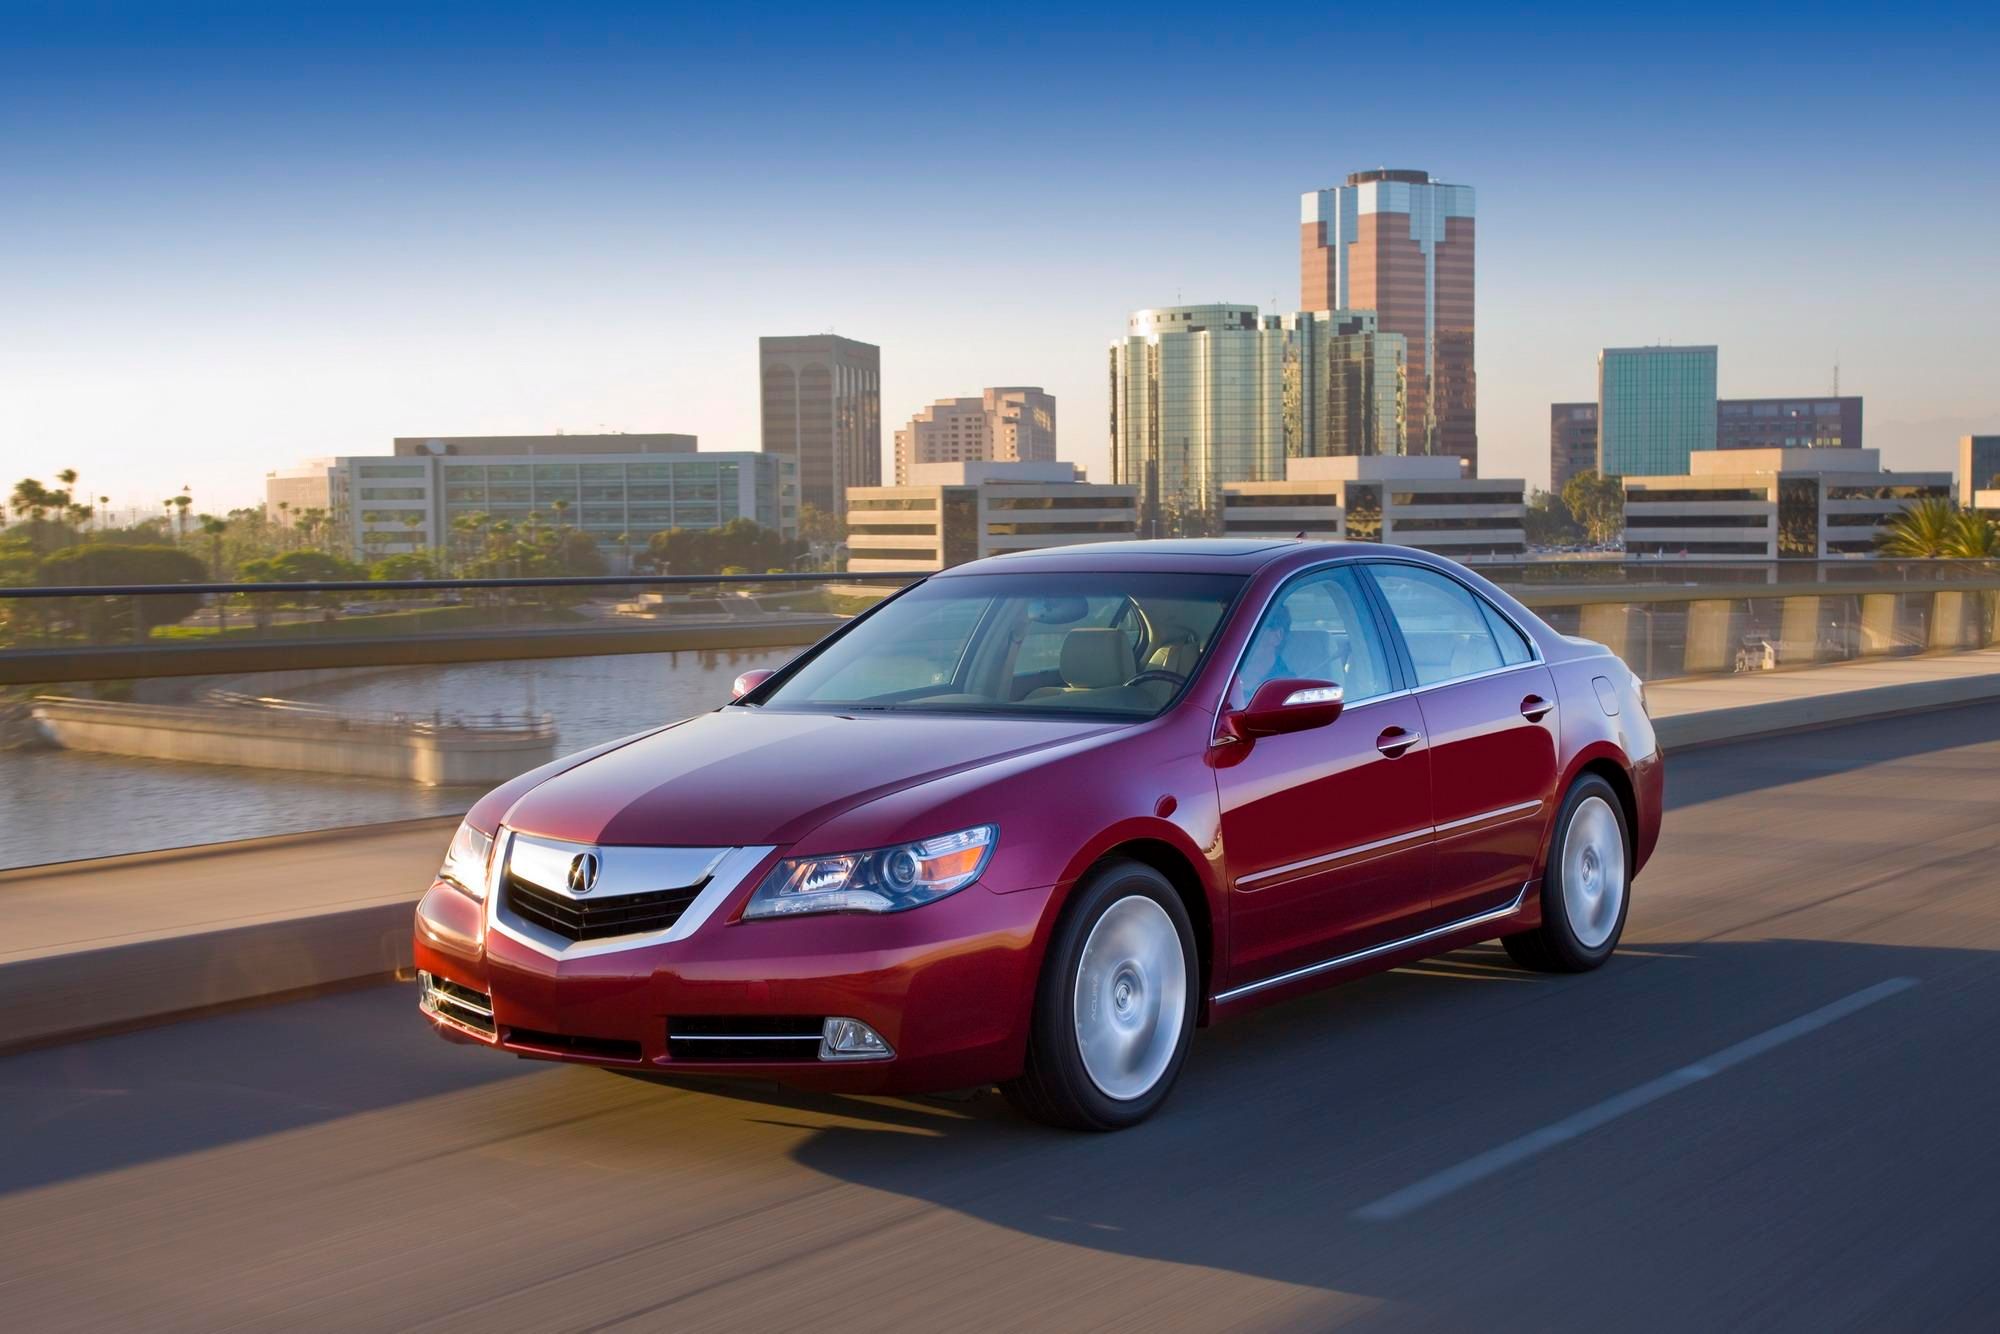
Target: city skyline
[(218, 264)]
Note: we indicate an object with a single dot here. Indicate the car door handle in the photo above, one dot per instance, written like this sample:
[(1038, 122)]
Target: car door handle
[(1397, 740), (1534, 708)]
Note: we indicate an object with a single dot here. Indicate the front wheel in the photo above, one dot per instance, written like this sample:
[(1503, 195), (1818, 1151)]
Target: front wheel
[(1586, 887), (1114, 1010)]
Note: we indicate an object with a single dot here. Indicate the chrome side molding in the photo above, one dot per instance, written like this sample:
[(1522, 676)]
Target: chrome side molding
[(1386, 947)]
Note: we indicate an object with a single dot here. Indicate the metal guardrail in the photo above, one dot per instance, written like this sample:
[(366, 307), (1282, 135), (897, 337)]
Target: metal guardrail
[(51, 635), (1666, 616)]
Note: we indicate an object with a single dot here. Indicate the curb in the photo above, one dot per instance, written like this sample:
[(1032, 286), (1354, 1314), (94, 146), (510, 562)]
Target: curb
[(62, 997)]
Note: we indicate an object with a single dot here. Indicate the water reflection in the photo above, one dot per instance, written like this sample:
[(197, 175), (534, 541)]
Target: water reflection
[(59, 805)]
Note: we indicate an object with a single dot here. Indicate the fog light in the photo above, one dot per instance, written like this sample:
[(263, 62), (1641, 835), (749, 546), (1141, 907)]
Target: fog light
[(851, 1040)]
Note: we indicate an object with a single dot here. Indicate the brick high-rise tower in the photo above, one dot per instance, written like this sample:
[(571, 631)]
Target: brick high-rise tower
[(1400, 244)]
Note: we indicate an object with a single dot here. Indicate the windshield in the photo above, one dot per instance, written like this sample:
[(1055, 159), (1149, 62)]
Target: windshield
[(1110, 643)]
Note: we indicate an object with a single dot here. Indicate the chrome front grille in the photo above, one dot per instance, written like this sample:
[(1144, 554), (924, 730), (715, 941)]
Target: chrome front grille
[(570, 900), (598, 918)]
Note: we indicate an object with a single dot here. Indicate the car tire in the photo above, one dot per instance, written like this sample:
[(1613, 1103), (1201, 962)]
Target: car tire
[(1586, 884), (1123, 956)]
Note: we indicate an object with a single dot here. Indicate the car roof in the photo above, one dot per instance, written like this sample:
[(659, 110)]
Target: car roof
[(1206, 555)]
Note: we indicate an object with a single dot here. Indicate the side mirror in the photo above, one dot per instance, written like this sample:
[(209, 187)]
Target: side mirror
[(750, 680), (1289, 704)]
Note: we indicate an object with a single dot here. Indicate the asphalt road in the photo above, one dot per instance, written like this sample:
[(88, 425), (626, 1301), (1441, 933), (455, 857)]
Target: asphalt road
[(1775, 1109)]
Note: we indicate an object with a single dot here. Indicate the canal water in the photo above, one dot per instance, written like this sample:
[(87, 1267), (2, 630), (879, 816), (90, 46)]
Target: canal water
[(60, 805)]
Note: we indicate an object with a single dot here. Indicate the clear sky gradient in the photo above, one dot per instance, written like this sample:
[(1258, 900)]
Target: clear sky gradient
[(234, 236)]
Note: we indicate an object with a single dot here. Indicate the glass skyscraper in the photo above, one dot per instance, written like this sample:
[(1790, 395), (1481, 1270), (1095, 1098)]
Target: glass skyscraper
[(1655, 408), (1206, 395)]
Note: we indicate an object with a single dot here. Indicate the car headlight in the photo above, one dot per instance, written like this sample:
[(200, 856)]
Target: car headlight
[(465, 860), (884, 880)]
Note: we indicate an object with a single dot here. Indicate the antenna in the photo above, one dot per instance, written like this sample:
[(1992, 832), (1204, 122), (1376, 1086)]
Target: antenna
[(1836, 375)]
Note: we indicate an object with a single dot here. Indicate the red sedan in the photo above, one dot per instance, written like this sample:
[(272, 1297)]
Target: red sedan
[(1033, 820)]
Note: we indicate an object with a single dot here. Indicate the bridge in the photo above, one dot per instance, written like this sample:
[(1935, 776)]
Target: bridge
[(1774, 1107)]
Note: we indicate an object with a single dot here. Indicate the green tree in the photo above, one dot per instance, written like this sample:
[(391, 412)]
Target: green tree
[(213, 528), (99, 563), (406, 565), (301, 567), (739, 545), (1978, 536), (1548, 521), (1923, 531), (1597, 504)]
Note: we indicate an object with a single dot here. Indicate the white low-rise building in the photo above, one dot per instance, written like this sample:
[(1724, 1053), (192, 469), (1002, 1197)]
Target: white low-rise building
[(1410, 501), (1772, 503), (951, 513)]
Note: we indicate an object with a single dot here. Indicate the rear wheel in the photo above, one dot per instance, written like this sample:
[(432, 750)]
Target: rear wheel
[(1114, 1010), (1587, 887)]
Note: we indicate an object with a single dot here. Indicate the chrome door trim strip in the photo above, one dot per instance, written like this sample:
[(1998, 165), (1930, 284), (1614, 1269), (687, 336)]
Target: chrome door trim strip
[(1244, 882), (1478, 676), (1521, 808), (1387, 947)]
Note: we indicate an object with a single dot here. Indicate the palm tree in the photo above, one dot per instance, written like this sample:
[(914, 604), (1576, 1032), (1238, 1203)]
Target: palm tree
[(1924, 531), (68, 478), (1978, 536), (285, 522), (215, 528), (30, 498)]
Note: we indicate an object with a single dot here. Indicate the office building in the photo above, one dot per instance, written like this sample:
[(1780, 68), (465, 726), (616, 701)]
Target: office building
[(1346, 386), (1412, 502), (619, 496), (289, 492), (950, 513), (1979, 471), (1788, 423), (822, 408), (559, 444), (1401, 245), (1206, 395), (1572, 442), (1655, 409), (1771, 504), (1014, 424)]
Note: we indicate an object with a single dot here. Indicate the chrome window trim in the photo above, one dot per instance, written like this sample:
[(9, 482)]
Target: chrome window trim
[(1475, 676), (1387, 947), (1229, 678), (1534, 645), (725, 876)]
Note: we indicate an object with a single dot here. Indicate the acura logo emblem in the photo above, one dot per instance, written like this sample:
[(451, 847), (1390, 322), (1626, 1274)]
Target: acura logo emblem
[(583, 869)]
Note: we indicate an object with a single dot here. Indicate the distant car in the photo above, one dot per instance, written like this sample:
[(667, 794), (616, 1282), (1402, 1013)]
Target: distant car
[(1034, 819)]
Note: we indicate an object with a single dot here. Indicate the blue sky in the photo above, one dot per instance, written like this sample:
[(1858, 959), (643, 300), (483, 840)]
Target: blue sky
[(232, 236)]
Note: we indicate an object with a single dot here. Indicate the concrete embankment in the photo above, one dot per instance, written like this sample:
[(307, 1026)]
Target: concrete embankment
[(435, 753)]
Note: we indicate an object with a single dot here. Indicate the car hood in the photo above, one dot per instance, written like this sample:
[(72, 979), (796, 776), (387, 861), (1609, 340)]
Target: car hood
[(743, 776)]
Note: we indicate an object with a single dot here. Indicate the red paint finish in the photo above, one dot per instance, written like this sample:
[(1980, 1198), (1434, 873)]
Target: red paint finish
[(1493, 786), (1290, 849), (1328, 838)]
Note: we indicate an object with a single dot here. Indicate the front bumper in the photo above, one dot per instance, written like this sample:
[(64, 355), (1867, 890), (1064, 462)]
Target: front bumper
[(949, 986)]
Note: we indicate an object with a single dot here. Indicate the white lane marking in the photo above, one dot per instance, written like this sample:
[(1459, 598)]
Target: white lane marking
[(1434, 1188)]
